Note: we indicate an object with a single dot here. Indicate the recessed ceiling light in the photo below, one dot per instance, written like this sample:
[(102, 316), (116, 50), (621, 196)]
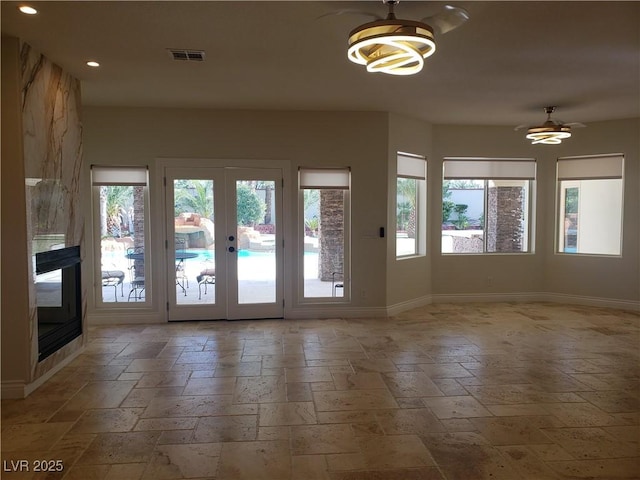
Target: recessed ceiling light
[(93, 63), (27, 9)]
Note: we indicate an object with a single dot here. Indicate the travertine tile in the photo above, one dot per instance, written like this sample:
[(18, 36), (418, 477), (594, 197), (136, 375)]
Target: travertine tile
[(107, 420), (619, 468), (290, 413), (234, 428), (309, 467), (254, 460), (446, 391), (210, 386), (130, 447), (259, 390), (411, 384), (394, 451), (184, 461), (515, 430), (591, 443), (323, 439), (419, 421), (456, 407), (353, 400), (100, 395), (38, 437), (358, 381)]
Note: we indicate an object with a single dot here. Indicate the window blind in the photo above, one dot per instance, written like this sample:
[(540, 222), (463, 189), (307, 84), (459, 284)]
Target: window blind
[(488, 169), (596, 166), (329, 178), (412, 167), (109, 176)]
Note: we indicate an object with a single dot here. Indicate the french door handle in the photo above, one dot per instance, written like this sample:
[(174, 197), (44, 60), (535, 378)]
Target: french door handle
[(231, 238), (232, 249)]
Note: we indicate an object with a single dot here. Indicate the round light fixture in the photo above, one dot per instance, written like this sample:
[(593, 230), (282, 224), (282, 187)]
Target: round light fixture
[(396, 47), (549, 135), (26, 9), (93, 63)]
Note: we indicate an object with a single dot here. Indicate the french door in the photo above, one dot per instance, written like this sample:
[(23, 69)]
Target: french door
[(224, 245)]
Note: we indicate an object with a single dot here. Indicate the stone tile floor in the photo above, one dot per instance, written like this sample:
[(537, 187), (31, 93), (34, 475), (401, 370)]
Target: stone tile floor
[(455, 392)]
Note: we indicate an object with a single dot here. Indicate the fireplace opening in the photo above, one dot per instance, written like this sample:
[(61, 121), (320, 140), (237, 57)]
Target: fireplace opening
[(58, 298)]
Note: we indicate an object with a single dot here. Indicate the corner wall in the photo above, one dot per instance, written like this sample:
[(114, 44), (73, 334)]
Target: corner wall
[(408, 280), (15, 283), (542, 275)]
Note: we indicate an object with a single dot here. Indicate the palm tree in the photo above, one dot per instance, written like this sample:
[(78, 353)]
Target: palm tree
[(408, 189), (195, 196), (115, 198)]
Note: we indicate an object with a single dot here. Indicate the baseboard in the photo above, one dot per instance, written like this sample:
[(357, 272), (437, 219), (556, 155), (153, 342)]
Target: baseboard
[(537, 297), (408, 305), (318, 311), (632, 305), (12, 389), (486, 297), (117, 318)]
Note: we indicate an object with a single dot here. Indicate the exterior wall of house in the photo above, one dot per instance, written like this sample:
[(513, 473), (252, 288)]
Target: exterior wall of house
[(605, 280), (140, 136)]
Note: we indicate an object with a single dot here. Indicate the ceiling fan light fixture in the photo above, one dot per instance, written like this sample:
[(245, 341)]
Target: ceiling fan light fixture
[(395, 47), (552, 135)]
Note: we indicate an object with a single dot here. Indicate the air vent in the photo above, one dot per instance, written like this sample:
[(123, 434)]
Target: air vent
[(186, 55)]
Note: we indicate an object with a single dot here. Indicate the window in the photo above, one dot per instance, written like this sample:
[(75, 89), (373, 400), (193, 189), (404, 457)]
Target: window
[(590, 192), (410, 205), (486, 205), (120, 229), (324, 203)]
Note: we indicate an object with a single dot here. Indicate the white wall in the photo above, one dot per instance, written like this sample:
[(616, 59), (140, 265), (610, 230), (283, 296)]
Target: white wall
[(570, 277), (593, 275), (408, 279), (139, 136), (368, 142), (16, 347)]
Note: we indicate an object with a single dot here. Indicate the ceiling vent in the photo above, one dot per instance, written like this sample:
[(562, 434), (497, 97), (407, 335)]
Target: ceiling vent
[(186, 55)]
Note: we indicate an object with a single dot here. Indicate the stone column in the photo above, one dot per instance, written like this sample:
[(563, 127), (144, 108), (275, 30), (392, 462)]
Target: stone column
[(504, 218), (331, 233)]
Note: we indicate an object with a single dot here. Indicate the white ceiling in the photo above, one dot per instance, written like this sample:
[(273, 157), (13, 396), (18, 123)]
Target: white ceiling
[(500, 68)]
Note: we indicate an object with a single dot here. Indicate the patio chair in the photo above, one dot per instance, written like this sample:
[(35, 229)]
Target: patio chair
[(181, 276), (113, 278), (136, 270), (206, 277)]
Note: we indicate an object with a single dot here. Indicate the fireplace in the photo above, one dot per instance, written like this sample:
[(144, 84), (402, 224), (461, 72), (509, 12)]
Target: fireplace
[(59, 299)]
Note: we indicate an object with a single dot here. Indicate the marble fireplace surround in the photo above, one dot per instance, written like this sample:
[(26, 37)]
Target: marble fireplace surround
[(52, 158)]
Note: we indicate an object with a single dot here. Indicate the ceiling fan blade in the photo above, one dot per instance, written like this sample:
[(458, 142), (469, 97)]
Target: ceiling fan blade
[(351, 11), (520, 127), (447, 19), (574, 124)]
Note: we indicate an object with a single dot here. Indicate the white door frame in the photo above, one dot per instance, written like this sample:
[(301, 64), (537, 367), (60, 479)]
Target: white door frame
[(233, 168)]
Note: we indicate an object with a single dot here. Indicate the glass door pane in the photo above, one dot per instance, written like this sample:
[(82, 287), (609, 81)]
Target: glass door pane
[(194, 241), (122, 229), (256, 255), (254, 243), (224, 251)]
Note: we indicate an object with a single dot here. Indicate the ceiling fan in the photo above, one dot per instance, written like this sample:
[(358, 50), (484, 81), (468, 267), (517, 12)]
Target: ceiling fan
[(551, 132), (396, 46)]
